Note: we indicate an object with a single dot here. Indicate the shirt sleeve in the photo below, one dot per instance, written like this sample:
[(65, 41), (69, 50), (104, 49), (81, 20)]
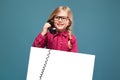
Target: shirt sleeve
[(40, 41), (74, 44)]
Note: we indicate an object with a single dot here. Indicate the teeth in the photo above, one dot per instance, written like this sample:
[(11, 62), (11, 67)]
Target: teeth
[(60, 24)]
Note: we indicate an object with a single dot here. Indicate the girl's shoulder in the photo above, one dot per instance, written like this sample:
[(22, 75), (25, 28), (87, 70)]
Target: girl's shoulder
[(74, 38)]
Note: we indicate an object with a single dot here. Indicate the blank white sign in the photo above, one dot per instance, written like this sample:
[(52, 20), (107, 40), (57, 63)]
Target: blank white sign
[(61, 65)]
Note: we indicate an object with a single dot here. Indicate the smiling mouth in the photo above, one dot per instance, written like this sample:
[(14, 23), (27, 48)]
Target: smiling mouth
[(60, 24)]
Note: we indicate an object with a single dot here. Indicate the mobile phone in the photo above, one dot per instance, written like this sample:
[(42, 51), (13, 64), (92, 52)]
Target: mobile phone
[(52, 29)]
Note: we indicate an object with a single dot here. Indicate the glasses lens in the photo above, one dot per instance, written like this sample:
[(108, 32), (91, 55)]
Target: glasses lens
[(63, 18)]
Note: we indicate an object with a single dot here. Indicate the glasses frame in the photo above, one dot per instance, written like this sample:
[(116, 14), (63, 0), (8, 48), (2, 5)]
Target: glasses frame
[(63, 18)]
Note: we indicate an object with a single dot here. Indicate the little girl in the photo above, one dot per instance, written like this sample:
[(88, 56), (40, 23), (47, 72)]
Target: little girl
[(62, 38)]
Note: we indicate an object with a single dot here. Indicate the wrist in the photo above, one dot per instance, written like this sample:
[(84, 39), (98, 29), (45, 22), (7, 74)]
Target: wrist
[(43, 33)]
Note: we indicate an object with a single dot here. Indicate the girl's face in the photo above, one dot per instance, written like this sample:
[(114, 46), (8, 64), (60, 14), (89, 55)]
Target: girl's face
[(61, 21)]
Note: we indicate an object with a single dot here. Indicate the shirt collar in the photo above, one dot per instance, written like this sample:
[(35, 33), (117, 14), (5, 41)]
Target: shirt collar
[(64, 33)]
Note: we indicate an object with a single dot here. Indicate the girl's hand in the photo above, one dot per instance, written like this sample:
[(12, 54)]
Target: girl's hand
[(45, 28)]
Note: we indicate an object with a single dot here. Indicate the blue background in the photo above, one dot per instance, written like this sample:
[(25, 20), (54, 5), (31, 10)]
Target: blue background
[(96, 26)]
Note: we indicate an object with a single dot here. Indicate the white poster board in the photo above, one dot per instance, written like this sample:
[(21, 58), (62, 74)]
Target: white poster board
[(61, 65)]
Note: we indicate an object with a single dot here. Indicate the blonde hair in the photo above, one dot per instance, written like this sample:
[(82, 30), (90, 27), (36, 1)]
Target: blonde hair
[(70, 16)]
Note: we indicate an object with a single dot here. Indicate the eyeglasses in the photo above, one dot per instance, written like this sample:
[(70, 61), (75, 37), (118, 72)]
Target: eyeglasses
[(63, 18)]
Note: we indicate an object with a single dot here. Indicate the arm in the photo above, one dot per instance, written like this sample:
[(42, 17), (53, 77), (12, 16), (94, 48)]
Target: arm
[(40, 40)]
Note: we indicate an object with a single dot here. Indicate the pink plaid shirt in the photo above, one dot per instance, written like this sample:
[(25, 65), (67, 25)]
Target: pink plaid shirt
[(58, 41)]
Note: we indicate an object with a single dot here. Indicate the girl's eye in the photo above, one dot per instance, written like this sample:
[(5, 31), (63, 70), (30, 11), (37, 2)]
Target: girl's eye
[(61, 17)]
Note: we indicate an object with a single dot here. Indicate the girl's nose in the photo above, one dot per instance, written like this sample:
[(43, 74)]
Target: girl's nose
[(60, 19)]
